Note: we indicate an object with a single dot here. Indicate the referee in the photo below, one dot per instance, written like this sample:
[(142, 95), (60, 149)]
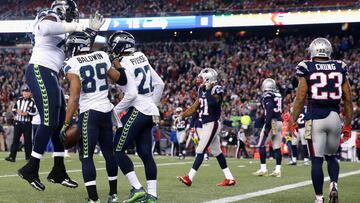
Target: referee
[(24, 109)]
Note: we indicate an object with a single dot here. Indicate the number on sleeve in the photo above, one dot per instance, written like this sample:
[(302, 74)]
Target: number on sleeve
[(145, 85)]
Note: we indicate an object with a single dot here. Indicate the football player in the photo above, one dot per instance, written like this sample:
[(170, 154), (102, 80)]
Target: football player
[(323, 83), (142, 96), (208, 104), (88, 74), (299, 135), (50, 28), (181, 132), (272, 104)]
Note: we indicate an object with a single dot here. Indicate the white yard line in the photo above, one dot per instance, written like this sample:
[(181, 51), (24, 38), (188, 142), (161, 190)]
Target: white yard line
[(274, 190), (101, 169)]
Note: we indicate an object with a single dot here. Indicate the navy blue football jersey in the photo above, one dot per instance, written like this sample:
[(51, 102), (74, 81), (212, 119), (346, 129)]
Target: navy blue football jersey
[(301, 119), (210, 107), (272, 104), (181, 126), (324, 80)]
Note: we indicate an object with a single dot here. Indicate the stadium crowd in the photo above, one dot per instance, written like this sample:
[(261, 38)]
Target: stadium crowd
[(126, 8)]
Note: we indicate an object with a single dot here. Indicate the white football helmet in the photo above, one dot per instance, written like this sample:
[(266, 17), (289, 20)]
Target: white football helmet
[(320, 47), (208, 76), (178, 110), (269, 84)]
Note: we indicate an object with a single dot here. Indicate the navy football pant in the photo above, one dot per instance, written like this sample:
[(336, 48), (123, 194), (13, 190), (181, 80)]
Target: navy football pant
[(96, 127), (50, 102), (136, 127)]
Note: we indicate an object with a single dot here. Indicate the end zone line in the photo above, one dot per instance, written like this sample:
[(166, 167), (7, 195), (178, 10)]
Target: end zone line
[(101, 169), (274, 190)]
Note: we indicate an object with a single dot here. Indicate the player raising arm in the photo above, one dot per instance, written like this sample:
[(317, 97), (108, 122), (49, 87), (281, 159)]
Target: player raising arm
[(209, 101), (142, 96), (41, 75), (323, 83)]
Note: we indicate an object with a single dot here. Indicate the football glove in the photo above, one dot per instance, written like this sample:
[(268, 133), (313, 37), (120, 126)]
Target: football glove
[(288, 138), (63, 131), (96, 21), (195, 139), (346, 133)]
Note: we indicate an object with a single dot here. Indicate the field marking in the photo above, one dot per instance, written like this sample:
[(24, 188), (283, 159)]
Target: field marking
[(274, 190), (101, 169), (241, 166)]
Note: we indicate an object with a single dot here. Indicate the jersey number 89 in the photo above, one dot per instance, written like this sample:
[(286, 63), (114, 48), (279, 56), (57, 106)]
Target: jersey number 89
[(87, 73)]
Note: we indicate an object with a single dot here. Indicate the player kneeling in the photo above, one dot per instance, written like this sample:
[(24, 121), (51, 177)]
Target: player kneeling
[(208, 106), (87, 73)]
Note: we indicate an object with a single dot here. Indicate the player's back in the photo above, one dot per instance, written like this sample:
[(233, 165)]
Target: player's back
[(48, 50), (272, 103), (92, 70), (138, 67), (324, 80)]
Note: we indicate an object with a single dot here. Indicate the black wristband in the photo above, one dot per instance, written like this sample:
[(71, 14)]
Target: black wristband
[(122, 79)]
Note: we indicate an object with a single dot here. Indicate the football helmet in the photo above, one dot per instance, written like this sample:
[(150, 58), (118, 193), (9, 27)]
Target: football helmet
[(120, 42), (178, 110), (320, 47), (269, 84), (207, 77), (77, 42), (66, 9)]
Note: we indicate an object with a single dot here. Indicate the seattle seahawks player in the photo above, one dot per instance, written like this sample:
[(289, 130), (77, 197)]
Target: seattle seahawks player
[(41, 76), (181, 131), (323, 83), (272, 104), (87, 73), (142, 96), (210, 96), (299, 135)]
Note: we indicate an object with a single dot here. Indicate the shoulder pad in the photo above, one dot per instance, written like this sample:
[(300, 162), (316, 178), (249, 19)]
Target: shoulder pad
[(46, 12), (343, 65), (268, 95), (302, 68)]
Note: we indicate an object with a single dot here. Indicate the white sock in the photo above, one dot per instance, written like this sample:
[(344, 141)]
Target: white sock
[(192, 173), (151, 187), (278, 168), (133, 180), (306, 159), (263, 167), (294, 159), (228, 174), (319, 197)]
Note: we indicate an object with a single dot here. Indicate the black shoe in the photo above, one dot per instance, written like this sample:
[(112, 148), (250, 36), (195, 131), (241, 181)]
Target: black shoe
[(9, 158), (32, 177), (59, 175)]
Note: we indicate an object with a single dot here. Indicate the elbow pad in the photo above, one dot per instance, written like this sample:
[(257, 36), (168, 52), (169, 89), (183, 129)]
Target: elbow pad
[(122, 79)]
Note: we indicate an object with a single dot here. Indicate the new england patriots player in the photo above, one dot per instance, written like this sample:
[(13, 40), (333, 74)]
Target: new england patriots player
[(208, 108), (272, 104), (299, 135), (41, 75), (87, 73), (323, 83), (143, 92), (181, 132)]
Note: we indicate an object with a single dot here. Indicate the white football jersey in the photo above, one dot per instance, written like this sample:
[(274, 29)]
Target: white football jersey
[(147, 82), (92, 70), (48, 51)]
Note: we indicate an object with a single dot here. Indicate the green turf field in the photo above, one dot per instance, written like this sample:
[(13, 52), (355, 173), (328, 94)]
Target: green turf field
[(15, 190)]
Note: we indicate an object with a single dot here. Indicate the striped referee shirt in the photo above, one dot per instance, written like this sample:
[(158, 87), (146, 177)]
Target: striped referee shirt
[(25, 105)]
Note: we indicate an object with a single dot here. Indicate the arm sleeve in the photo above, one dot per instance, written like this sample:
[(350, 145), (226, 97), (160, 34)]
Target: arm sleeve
[(32, 109), (158, 86), (217, 90), (130, 94), (48, 27)]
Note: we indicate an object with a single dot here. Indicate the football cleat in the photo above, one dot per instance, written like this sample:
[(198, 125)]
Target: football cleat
[(227, 182), (136, 195), (333, 196), (260, 173), (319, 200), (292, 163), (276, 174), (112, 199), (59, 175), (185, 179), (149, 199), (306, 163), (10, 159), (31, 177)]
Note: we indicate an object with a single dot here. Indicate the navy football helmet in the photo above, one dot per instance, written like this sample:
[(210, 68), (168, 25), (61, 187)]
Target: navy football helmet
[(121, 42), (77, 42), (66, 9)]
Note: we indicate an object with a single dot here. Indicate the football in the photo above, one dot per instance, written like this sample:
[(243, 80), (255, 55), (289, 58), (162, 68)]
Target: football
[(72, 136)]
